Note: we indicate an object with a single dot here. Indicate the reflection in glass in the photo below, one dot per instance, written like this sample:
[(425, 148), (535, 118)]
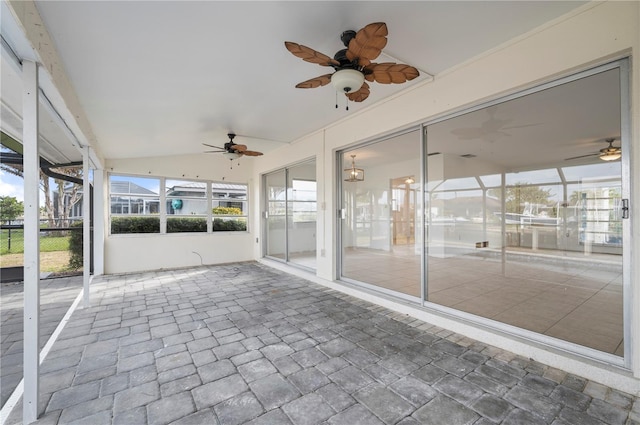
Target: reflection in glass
[(301, 214), (291, 212), (524, 224), (379, 224), (275, 186)]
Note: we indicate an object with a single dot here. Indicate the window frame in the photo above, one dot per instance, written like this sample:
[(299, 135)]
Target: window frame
[(163, 199)]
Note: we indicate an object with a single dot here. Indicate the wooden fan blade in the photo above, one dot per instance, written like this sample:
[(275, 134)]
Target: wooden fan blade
[(239, 148), (307, 54), (360, 95), (211, 146), (252, 153), (389, 72), (368, 43), (320, 81), (214, 151)]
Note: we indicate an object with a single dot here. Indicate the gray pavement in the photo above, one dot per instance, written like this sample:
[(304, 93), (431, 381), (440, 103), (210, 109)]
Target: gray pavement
[(246, 344), (56, 296)]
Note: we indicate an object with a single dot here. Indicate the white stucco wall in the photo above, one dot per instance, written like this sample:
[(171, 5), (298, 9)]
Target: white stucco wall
[(594, 34)]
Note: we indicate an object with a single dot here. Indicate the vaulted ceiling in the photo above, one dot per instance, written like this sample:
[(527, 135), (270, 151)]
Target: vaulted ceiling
[(159, 78)]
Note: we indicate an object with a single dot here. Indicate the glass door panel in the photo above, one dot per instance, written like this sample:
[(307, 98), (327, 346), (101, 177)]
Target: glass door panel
[(301, 214), (290, 225), (276, 198), (524, 217), (379, 226)]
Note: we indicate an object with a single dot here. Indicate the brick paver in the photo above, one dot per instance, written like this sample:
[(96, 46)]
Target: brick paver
[(243, 343), (56, 296)]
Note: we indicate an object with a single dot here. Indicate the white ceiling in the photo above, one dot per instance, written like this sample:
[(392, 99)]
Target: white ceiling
[(160, 78)]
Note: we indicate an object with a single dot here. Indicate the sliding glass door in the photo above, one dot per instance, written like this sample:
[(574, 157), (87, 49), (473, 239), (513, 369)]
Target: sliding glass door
[(524, 206), (290, 214), (524, 212), (380, 225)]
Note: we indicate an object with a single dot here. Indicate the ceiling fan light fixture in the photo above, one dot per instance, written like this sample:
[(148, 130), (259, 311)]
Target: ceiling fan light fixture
[(232, 155), (610, 155), (347, 80)]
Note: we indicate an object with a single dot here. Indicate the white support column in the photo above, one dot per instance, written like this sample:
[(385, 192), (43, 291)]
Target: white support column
[(31, 363), (98, 221), (86, 227)]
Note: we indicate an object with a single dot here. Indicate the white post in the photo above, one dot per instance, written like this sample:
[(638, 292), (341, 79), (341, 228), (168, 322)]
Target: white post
[(31, 173), (98, 221), (86, 226)]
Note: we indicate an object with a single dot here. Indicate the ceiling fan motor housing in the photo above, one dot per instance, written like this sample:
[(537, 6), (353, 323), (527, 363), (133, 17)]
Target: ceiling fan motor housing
[(346, 37)]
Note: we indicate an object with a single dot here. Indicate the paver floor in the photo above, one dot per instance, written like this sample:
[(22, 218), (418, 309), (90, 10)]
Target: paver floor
[(244, 343), (56, 296)]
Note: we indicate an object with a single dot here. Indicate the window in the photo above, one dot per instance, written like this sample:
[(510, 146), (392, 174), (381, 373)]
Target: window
[(186, 203), (135, 204), (138, 205), (229, 207)]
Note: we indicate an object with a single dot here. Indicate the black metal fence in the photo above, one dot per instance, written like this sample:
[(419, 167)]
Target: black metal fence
[(57, 248)]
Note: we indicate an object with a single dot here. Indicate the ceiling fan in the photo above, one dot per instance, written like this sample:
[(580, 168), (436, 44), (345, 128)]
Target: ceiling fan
[(353, 65), (232, 150), (489, 130), (610, 153)]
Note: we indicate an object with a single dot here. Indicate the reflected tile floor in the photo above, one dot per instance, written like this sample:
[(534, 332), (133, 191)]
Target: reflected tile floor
[(246, 344)]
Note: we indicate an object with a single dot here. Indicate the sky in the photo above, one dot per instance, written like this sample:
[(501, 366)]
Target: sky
[(11, 185)]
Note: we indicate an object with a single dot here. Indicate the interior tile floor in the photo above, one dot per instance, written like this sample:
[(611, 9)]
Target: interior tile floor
[(246, 344), (570, 297)]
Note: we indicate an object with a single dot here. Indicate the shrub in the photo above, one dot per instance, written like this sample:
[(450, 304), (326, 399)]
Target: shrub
[(184, 224), (221, 225), (75, 246), (227, 211), (135, 225)]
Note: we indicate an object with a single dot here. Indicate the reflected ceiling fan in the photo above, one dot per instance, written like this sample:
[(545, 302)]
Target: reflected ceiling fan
[(353, 65), (232, 150), (610, 153), (489, 130)]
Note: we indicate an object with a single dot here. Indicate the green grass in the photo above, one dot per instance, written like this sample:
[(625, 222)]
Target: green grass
[(48, 243)]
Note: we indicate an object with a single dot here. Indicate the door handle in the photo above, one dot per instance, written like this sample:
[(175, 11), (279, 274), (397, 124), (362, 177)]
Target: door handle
[(625, 208)]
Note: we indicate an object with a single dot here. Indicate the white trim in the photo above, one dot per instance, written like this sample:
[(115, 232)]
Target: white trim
[(31, 174), (98, 221), (86, 226)]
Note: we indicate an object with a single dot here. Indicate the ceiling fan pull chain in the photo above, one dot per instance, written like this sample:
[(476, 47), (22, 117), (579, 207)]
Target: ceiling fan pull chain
[(336, 100), (347, 108)]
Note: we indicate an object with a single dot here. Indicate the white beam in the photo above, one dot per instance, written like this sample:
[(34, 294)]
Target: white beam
[(99, 193), (31, 174), (86, 226)]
